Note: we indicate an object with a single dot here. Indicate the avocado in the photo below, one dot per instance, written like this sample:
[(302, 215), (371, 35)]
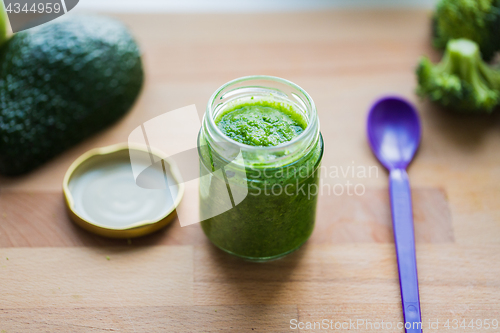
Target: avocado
[(62, 82)]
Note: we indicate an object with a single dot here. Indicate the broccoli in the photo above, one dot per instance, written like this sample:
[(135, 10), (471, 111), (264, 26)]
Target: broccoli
[(462, 81), (477, 20)]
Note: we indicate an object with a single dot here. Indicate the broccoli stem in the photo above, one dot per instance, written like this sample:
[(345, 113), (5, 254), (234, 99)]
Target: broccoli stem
[(490, 75), (4, 21), (464, 58)]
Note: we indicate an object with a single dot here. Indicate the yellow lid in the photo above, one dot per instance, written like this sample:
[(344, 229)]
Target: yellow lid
[(103, 197)]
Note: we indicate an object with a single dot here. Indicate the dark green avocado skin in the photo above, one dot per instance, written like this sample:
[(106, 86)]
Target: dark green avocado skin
[(62, 82)]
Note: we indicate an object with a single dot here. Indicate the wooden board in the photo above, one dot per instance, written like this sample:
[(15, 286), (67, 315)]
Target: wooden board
[(55, 277)]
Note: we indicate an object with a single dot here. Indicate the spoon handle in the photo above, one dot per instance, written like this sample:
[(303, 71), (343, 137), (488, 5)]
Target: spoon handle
[(404, 239)]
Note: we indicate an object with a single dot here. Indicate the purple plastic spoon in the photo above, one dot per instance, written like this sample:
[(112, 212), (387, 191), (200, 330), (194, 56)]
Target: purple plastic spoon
[(394, 135)]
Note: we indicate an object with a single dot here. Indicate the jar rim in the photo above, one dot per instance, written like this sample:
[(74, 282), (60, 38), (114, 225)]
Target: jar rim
[(312, 117)]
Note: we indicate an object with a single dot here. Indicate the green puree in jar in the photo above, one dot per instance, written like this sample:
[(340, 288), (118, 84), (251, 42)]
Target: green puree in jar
[(278, 214), (261, 124)]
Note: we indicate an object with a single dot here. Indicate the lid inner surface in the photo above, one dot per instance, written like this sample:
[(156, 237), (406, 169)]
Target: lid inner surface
[(105, 192)]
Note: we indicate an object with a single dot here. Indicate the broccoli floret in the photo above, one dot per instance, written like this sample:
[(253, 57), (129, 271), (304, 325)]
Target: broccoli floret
[(462, 81), (477, 20)]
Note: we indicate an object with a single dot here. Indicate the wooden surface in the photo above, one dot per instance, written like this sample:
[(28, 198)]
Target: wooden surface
[(55, 277)]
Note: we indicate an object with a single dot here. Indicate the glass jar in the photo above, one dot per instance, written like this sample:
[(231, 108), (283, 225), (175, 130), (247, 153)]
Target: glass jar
[(259, 203)]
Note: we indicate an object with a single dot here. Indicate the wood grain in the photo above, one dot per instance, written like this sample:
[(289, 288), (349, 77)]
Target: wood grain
[(53, 277), (39, 219), (57, 277), (174, 288), (165, 318)]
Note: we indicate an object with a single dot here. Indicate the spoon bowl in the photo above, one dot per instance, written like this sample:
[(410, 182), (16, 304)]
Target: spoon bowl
[(393, 132)]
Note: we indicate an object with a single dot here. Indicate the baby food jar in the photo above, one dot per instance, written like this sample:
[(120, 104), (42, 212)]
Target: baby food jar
[(259, 202)]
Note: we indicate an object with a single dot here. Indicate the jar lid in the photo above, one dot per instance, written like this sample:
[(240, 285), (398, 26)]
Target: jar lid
[(102, 195)]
